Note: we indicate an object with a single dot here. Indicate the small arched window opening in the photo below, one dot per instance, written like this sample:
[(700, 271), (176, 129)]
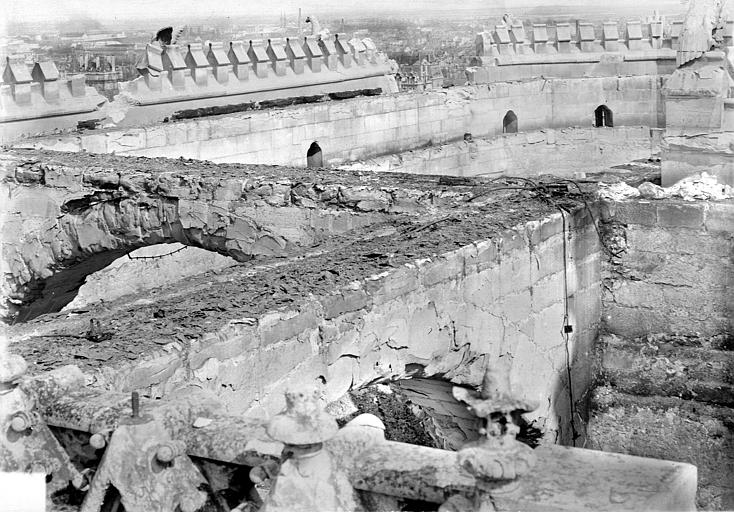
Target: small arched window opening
[(314, 156), (509, 123), (603, 116)]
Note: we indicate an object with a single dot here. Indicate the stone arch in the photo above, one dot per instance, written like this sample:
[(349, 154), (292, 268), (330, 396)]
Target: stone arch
[(603, 116), (509, 122), (63, 238), (314, 156)]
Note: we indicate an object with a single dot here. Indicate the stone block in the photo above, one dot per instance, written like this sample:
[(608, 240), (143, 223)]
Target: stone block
[(639, 212), (547, 259), (396, 284), (720, 218), (547, 291), (516, 307), (277, 327), (346, 301), (680, 215)]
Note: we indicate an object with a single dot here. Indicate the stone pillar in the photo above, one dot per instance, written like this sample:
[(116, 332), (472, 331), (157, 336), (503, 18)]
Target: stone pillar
[(16, 74), (296, 55), (197, 62), (540, 38), (563, 38), (260, 60), (174, 63), (357, 49), (519, 39), (154, 82), (483, 44), (587, 38), (656, 34), (370, 50), (330, 54), (634, 36), (611, 36), (47, 75), (675, 30), (239, 59), (313, 52), (219, 62), (343, 50), (77, 85), (278, 58), (502, 40)]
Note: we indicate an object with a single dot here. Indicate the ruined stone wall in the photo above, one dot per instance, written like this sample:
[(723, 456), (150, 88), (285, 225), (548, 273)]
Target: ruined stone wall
[(560, 152), (445, 316), (675, 270), (663, 375), (366, 127)]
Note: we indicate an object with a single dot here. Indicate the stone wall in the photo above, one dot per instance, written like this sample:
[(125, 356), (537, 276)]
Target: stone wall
[(445, 316), (675, 270), (561, 152), (366, 127), (663, 371)]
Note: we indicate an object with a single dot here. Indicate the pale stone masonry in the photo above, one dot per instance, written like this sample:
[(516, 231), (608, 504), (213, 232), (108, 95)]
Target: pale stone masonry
[(361, 128)]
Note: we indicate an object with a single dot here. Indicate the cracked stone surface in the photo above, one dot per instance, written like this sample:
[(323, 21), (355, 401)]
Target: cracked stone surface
[(429, 279)]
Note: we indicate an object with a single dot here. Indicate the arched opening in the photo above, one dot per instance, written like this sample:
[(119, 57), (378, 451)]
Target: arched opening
[(109, 275), (603, 116), (509, 122), (314, 156)]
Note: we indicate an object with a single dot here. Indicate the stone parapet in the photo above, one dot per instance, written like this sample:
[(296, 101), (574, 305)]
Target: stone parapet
[(255, 66), (584, 44), (40, 92)]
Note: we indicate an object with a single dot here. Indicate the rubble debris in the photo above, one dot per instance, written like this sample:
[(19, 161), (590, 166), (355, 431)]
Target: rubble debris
[(703, 186)]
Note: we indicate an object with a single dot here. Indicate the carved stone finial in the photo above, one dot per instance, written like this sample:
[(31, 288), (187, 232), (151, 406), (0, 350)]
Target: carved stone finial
[(497, 457), (303, 422), (308, 479)]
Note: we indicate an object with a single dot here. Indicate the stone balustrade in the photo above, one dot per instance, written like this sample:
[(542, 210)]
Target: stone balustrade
[(308, 459)]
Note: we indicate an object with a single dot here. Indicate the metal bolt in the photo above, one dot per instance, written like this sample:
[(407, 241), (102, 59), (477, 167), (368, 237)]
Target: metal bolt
[(166, 452), (98, 441), (135, 402), (21, 421)]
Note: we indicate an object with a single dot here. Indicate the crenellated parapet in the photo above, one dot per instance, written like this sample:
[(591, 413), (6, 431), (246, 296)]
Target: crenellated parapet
[(518, 51), (39, 92), (173, 73)]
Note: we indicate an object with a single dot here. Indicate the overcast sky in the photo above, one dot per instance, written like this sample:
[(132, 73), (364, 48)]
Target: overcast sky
[(109, 10)]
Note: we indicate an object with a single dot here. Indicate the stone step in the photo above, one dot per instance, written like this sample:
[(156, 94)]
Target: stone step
[(653, 366), (673, 429)]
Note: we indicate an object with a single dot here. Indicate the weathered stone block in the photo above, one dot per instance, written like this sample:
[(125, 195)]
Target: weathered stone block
[(720, 217), (278, 327), (346, 301), (447, 267), (630, 212), (680, 215)]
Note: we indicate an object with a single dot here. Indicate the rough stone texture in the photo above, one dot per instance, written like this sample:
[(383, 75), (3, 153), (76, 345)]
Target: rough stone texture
[(366, 127), (450, 294), (684, 156), (562, 152), (675, 269), (672, 429), (146, 268), (72, 207), (680, 366), (665, 370)]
